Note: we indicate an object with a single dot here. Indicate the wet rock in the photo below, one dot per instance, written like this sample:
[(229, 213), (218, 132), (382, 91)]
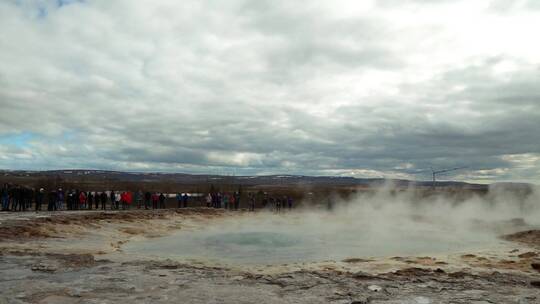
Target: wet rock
[(74, 260), (43, 267), (168, 264), (358, 299), (458, 275), (362, 276), (528, 255), (375, 288), (530, 237), (21, 296), (355, 260), (413, 272), (76, 293)]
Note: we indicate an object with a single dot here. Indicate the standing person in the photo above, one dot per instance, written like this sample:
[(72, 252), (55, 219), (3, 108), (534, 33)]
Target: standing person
[(60, 196), (289, 202), (117, 198), (147, 199), (251, 202), (123, 200), (139, 198), (126, 200), (219, 199), (259, 198), (209, 200), (129, 199), (265, 201), (179, 200), (20, 201), (155, 199), (185, 199), (232, 201), (4, 197), (39, 198), (69, 199), (82, 200), (225, 200), (162, 201), (236, 200), (9, 196), (214, 199), (74, 199), (103, 200), (28, 196), (31, 195), (12, 196), (112, 198), (97, 198), (77, 199), (53, 201), (90, 200), (271, 204)]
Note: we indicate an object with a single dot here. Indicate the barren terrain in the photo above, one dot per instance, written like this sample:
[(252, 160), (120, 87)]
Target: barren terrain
[(79, 258)]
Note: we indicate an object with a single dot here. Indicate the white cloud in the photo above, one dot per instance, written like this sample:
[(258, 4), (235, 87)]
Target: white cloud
[(271, 86)]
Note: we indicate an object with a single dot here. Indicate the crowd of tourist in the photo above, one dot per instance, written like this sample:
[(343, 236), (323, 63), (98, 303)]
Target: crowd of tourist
[(232, 201), (20, 198)]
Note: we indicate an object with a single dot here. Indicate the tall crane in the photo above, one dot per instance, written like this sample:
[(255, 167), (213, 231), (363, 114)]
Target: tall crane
[(435, 172)]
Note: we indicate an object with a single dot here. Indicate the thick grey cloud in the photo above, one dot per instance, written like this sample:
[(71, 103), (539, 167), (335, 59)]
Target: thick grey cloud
[(370, 89)]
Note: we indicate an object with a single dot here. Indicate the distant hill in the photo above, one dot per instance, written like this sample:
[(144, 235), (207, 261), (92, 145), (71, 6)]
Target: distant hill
[(182, 178)]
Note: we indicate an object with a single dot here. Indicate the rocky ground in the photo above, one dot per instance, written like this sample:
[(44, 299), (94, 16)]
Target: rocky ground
[(42, 262)]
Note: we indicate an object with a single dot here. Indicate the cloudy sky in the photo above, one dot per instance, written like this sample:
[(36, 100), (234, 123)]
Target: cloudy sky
[(380, 88)]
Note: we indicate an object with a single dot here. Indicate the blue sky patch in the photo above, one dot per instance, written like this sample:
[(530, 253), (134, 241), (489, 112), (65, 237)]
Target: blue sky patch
[(20, 140)]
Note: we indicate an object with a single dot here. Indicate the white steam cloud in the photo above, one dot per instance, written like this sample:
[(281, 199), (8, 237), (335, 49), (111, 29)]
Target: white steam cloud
[(385, 223)]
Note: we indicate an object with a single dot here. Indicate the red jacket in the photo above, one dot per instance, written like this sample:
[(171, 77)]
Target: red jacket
[(82, 198)]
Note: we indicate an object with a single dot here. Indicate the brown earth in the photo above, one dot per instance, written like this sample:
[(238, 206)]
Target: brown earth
[(529, 237), (89, 277), (28, 228)]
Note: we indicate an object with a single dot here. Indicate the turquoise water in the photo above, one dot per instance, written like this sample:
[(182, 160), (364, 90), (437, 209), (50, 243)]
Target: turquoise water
[(293, 239)]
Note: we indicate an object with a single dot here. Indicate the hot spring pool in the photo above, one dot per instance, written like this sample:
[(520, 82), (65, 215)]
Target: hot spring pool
[(271, 239)]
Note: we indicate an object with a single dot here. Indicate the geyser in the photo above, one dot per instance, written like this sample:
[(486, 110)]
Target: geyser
[(381, 225)]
